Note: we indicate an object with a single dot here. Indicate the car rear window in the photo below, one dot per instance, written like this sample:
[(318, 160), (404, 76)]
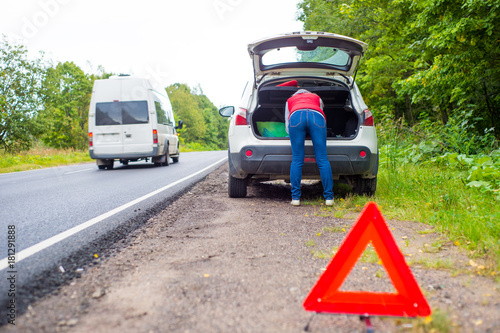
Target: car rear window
[(324, 55), (121, 113)]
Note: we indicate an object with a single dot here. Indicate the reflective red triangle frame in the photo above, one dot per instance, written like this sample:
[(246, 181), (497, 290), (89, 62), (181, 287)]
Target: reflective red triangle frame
[(408, 301)]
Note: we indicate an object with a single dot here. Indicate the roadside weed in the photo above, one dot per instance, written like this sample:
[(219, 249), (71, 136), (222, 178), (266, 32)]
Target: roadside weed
[(434, 263), (41, 157), (335, 229), (310, 243)]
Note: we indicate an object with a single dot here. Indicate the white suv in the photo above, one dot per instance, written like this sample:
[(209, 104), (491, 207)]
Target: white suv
[(323, 63)]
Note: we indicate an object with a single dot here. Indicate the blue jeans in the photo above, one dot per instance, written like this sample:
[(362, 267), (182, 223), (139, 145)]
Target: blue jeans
[(301, 121)]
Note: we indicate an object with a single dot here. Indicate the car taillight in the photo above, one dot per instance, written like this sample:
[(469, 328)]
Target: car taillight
[(241, 117), (91, 140), (368, 118), (155, 136)]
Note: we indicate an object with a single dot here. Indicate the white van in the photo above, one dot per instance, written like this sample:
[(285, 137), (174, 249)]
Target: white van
[(129, 120)]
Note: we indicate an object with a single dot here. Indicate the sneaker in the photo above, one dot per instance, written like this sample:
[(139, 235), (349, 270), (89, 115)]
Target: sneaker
[(329, 202), (295, 202)]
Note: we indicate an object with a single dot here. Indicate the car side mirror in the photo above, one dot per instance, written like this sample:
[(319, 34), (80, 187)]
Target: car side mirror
[(181, 123), (226, 111)]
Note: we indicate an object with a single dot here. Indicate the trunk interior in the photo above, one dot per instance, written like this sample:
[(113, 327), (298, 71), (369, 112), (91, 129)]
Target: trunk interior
[(268, 120)]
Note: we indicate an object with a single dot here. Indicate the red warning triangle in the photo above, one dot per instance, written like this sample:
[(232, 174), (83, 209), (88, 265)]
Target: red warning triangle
[(408, 300)]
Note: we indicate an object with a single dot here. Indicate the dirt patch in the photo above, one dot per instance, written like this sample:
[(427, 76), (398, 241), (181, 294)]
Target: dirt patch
[(209, 263)]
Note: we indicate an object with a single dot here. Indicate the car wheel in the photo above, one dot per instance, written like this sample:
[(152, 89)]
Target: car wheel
[(365, 186), (101, 167), (175, 159), (237, 187)]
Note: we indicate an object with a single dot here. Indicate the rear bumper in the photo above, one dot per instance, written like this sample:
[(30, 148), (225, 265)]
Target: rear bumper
[(275, 161), (153, 152)]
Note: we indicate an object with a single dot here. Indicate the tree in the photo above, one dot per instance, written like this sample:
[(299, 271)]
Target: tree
[(186, 108), (427, 59), (203, 125), (217, 126), (20, 97), (67, 91), (458, 52)]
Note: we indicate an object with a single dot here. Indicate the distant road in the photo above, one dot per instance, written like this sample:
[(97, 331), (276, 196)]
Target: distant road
[(57, 211)]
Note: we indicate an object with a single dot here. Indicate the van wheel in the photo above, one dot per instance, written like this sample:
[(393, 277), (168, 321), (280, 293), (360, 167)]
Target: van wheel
[(237, 187), (175, 158), (167, 158), (162, 160), (108, 164)]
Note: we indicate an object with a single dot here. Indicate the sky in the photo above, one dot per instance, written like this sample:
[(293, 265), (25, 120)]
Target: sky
[(196, 42)]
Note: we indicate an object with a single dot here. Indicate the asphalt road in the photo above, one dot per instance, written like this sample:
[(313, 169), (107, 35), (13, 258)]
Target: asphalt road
[(63, 217)]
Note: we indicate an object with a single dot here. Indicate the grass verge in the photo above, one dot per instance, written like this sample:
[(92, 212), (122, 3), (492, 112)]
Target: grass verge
[(437, 196), (41, 157)]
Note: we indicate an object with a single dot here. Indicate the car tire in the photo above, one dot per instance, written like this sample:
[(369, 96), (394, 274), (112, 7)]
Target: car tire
[(101, 167), (237, 187), (366, 186)]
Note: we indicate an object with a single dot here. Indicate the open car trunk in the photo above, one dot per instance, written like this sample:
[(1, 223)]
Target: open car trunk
[(268, 120)]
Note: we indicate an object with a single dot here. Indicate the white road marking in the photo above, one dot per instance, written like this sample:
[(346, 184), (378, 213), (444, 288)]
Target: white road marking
[(70, 232), (69, 173)]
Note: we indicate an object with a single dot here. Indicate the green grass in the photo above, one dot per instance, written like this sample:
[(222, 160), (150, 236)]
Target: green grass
[(41, 157), (195, 146), (438, 196)]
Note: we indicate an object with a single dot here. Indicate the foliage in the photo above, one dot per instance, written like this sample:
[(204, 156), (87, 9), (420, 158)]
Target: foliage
[(20, 97), (67, 91), (202, 124), (483, 171), (427, 59)]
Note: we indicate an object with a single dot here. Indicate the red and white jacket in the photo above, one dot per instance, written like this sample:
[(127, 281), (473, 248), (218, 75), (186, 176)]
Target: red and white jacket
[(301, 100)]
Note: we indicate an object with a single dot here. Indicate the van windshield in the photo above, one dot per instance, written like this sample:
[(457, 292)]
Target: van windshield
[(121, 113)]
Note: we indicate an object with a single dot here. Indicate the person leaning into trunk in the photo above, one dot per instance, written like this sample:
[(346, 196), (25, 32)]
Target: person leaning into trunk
[(304, 114)]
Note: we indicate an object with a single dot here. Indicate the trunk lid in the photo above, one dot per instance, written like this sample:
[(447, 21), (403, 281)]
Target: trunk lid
[(307, 53)]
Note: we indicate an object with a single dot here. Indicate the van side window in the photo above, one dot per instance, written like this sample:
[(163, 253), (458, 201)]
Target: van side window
[(161, 114), (163, 109), (121, 113)]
